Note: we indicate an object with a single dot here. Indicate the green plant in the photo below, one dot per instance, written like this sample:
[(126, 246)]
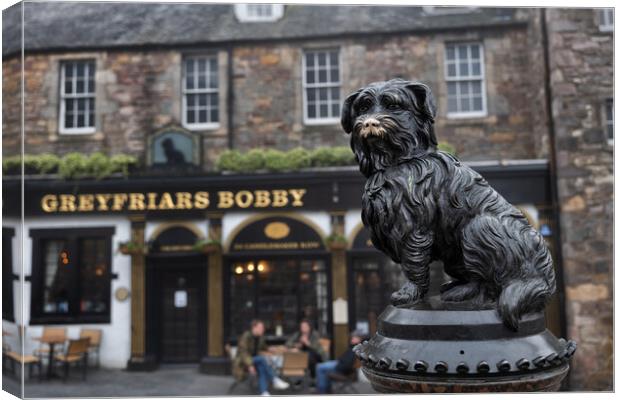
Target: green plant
[(129, 247), (275, 160), (298, 158), (252, 161), (99, 165), (335, 238), (332, 156), (123, 163), (201, 243), (12, 165), (447, 147), (41, 163), (73, 165), (229, 160)]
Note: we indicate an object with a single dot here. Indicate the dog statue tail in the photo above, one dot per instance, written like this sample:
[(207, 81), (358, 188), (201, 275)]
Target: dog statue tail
[(530, 291)]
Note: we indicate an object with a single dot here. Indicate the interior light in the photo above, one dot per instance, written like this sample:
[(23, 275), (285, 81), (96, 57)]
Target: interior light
[(239, 270), (251, 267), (261, 267)]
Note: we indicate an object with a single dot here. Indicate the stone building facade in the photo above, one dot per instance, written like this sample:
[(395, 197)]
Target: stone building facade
[(548, 75), (581, 82)]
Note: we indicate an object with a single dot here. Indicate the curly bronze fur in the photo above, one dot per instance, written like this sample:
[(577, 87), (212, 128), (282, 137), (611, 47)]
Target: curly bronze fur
[(421, 204)]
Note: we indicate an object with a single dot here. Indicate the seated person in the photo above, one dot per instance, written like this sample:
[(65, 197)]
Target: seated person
[(250, 358), (307, 339), (344, 365)]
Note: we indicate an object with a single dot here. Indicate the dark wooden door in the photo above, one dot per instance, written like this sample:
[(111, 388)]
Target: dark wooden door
[(182, 314)]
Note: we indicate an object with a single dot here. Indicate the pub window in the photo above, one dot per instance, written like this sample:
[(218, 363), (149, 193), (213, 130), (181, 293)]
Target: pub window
[(7, 274), (464, 72), (77, 97), (258, 12), (280, 292), (609, 120), (200, 92), (606, 19), (71, 275), (321, 81)]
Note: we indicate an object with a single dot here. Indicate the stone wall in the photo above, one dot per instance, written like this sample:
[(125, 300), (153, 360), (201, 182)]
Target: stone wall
[(581, 69), (139, 93), (269, 97)]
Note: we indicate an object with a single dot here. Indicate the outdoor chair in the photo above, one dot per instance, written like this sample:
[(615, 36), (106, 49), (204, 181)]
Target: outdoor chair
[(250, 381), (18, 358), (295, 369), (77, 353), (95, 341), (345, 383), (50, 333)]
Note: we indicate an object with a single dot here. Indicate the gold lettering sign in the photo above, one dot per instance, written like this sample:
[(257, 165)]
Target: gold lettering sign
[(88, 202)]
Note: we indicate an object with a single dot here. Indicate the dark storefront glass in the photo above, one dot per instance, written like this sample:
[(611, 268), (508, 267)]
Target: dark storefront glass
[(279, 292), (374, 279), (71, 275), (7, 274)]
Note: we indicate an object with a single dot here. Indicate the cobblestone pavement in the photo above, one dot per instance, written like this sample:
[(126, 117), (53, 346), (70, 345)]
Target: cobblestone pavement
[(166, 381)]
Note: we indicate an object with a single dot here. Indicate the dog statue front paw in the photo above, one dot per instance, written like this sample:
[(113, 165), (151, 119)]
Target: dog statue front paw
[(408, 294)]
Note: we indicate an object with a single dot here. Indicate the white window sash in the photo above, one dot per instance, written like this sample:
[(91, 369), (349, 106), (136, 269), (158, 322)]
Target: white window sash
[(606, 23), (64, 96), (197, 91), (320, 85), (466, 78)]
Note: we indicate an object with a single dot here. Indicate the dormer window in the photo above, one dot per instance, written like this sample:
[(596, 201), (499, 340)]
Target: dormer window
[(259, 12)]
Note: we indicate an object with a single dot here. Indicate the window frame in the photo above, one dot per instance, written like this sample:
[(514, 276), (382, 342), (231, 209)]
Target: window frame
[(184, 92), (243, 15), (605, 19), (482, 77), (62, 98), (72, 236), (305, 86), (607, 120), (8, 276)]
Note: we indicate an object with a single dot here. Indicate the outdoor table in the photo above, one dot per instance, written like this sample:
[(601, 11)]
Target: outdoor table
[(51, 342)]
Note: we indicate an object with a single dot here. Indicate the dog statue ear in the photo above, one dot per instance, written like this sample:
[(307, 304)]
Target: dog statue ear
[(424, 101), (346, 119)]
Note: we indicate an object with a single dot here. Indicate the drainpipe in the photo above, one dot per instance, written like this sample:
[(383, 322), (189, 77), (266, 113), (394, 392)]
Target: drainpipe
[(553, 175), (230, 98)]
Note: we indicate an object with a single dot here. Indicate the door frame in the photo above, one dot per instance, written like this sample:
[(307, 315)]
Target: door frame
[(156, 263)]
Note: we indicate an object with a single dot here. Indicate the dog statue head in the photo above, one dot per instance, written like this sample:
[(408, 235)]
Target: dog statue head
[(390, 123)]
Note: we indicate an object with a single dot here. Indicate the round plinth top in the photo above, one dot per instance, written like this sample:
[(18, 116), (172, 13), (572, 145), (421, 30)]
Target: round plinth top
[(435, 339)]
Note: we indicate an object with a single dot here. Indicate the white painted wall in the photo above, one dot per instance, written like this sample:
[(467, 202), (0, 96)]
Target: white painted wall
[(231, 220), (16, 242), (116, 338), (351, 220)]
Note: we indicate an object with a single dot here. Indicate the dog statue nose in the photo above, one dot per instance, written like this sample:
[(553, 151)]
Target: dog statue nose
[(371, 122)]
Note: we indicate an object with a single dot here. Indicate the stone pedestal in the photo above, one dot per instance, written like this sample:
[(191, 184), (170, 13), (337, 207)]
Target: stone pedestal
[(451, 347)]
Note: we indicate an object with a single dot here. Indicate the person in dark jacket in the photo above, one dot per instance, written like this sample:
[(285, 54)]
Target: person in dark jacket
[(308, 340), (344, 365), (250, 358)]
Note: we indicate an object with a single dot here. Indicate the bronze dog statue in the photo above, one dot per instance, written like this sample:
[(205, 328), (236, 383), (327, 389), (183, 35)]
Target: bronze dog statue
[(421, 204)]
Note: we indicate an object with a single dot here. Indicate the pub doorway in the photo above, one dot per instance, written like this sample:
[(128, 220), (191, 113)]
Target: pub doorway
[(176, 297), (176, 314)]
